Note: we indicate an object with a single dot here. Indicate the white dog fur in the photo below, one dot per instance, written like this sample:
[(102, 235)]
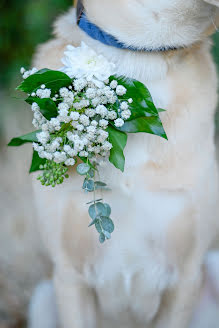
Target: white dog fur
[(165, 204)]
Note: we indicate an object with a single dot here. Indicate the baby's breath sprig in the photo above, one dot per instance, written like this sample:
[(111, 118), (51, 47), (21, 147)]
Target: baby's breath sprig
[(84, 111)]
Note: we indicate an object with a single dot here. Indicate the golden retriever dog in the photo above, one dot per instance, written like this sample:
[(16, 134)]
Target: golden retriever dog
[(165, 205)]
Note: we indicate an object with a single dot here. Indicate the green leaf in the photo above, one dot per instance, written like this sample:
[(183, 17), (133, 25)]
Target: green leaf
[(160, 110), (150, 125), (36, 162), (47, 106), (53, 80), (83, 169), (29, 137), (97, 210), (118, 139), (107, 224), (142, 101)]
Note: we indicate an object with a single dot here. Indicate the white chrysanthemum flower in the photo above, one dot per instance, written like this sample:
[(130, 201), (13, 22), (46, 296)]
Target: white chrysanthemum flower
[(120, 90), (126, 114), (85, 62), (119, 122), (130, 100)]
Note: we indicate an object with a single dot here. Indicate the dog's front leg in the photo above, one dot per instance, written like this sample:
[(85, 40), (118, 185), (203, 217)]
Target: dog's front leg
[(75, 301)]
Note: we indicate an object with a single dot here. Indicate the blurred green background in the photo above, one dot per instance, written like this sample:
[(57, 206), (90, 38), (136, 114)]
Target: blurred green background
[(23, 25)]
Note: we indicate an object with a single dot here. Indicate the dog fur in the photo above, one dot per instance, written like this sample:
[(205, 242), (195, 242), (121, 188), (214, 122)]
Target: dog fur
[(165, 204)]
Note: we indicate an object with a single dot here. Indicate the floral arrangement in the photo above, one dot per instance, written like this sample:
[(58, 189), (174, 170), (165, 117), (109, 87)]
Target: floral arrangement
[(82, 114)]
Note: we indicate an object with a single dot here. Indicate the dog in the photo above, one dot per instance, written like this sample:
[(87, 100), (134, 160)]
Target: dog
[(165, 205)]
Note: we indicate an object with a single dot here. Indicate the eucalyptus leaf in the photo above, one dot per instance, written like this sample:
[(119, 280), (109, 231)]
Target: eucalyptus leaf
[(107, 224), (47, 106), (102, 238), (29, 137), (97, 209), (118, 139), (107, 234), (108, 209), (91, 173), (98, 226), (36, 162), (92, 223), (100, 185), (88, 185), (53, 80), (150, 125), (83, 168), (84, 159)]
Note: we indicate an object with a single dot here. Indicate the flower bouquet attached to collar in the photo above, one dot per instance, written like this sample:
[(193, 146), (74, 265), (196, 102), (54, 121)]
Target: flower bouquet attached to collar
[(82, 114)]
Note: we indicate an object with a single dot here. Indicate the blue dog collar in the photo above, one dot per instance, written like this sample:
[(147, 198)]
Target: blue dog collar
[(98, 34)]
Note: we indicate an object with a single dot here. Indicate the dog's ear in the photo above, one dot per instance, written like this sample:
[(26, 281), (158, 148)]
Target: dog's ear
[(213, 2)]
